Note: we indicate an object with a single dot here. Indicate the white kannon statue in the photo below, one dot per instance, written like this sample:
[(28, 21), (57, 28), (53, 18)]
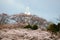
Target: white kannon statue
[(27, 12)]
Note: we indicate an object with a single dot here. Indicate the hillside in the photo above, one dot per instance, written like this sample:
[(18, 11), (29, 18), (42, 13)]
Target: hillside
[(14, 30), (21, 20)]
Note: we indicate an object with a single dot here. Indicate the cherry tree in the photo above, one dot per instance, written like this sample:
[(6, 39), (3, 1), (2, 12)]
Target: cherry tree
[(4, 18)]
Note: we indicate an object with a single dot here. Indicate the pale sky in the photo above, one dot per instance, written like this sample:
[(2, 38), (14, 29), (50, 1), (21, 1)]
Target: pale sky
[(47, 9)]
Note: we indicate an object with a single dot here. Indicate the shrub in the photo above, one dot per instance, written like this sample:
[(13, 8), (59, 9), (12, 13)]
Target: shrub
[(52, 28), (34, 27), (58, 25), (28, 26)]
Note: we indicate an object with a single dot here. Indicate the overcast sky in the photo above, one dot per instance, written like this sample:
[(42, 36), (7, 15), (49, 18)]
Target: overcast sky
[(48, 9)]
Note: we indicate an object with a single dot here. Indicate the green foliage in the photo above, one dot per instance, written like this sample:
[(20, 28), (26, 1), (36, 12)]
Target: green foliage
[(58, 26), (34, 27), (28, 26), (53, 28)]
